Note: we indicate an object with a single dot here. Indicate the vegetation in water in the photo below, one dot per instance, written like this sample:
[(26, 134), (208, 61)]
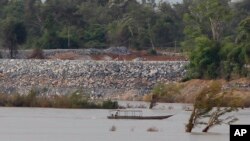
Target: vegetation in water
[(211, 108), (163, 93), (113, 128), (74, 100), (153, 129)]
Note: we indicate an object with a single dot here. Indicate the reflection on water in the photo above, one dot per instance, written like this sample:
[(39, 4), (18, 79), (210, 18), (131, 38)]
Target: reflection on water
[(35, 124)]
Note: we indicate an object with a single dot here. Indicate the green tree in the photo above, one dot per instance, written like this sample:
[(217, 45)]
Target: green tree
[(50, 38), (14, 34), (14, 9), (244, 37), (213, 14), (121, 31), (3, 3), (210, 104), (240, 56), (95, 36), (168, 26), (205, 59), (236, 56), (243, 7), (34, 21)]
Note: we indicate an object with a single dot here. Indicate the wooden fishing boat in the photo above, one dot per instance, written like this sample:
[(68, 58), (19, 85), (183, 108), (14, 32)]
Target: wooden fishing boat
[(134, 114)]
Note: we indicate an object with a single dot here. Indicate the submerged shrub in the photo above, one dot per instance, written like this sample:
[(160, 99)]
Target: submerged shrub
[(166, 92), (110, 104), (209, 108), (247, 101), (34, 99), (152, 129), (113, 128)]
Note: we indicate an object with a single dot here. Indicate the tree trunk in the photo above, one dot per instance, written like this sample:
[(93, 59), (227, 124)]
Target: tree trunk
[(152, 44), (11, 54), (216, 29), (190, 125), (11, 50), (68, 38), (206, 129), (153, 101), (150, 36)]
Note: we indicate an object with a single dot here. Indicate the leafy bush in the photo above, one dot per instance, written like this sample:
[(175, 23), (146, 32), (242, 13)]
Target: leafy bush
[(166, 92), (3, 99), (163, 93), (205, 59), (74, 100), (78, 100), (152, 52), (110, 104)]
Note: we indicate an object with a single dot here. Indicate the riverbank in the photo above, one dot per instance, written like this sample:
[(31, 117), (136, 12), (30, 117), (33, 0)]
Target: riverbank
[(186, 92), (176, 92)]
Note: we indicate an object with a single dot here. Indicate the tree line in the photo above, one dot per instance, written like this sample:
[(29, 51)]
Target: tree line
[(67, 24), (215, 33)]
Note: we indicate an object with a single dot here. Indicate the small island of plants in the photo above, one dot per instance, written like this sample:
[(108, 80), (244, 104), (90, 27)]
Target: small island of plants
[(74, 100)]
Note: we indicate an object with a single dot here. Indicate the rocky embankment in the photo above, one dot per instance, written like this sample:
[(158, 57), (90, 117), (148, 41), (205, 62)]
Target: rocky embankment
[(94, 77)]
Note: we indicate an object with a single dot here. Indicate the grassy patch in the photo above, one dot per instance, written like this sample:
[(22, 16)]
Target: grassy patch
[(74, 100), (186, 92)]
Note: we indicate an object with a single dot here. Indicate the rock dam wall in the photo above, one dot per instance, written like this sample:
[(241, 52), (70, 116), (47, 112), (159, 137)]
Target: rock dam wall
[(94, 77)]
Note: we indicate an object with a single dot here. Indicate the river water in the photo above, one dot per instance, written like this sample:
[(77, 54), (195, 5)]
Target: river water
[(38, 124)]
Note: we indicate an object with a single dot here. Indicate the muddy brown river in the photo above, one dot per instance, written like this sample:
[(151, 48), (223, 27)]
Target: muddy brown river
[(38, 124)]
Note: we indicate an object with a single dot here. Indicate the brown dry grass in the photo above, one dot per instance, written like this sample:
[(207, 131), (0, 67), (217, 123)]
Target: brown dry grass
[(130, 95), (65, 56), (147, 97), (34, 99), (190, 89), (130, 57), (133, 56)]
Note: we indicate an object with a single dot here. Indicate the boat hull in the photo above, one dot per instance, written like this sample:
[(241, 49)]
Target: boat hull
[(140, 117)]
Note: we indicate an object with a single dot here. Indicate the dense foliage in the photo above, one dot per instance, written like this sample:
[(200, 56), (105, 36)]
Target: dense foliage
[(217, 36), (214, 32), (75, 100), (64, 24)]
